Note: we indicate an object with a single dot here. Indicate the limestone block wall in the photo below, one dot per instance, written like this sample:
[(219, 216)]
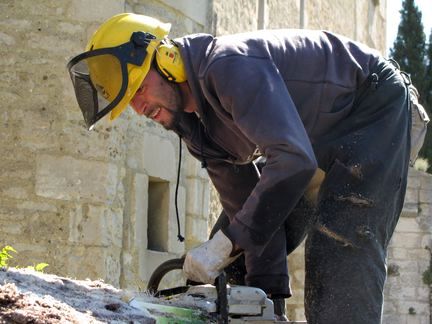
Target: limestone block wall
[(407, 297), (94, 204), (362, 20)]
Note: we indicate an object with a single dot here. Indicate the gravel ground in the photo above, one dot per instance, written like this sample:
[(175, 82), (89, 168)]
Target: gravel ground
[(27, 296)]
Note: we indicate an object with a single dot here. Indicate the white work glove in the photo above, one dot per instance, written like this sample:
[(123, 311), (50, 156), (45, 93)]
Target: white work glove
[(205, 262)]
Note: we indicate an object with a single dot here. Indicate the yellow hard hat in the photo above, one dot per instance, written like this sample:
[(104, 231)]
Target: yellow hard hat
[(117, 59)]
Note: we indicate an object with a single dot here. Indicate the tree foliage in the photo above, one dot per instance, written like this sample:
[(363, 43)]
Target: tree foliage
[(409, 48), (414, 56), (428, 77)]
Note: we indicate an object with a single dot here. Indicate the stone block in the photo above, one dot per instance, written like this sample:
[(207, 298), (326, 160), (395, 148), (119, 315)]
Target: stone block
[(425, 217), (10, 228), (397, 253), (67, 178), (422, 294), (150, 260), (426, 181), (139, 209), (409, 293), (319, 13), (409, 210), (95, 226), (406, 240), (299, 314), (411, 196), (174, 245), (130, 280), (69, 28), (425, 210), (113, 267), (16, 192), (195, 10), (49, 43), (414, 178), (36, 132), (93, 263), (408, 266), (45, 228), (422, 254), (411, 279), (193, 168), (295, 300), (196, 191), (394, 319), (196, 230), (39, 206), (11, 215), (6, 40), (389, 308), (425, 196), (83, 10), (206, 199), (426, 240), (408, 225), (298, 275), (17, 173), (419, 308), (243, 12), (153, 155), (283, 14), (411, 254), (15, 24)]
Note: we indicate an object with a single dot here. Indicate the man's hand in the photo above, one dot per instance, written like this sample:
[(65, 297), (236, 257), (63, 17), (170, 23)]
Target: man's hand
[(205, 262)]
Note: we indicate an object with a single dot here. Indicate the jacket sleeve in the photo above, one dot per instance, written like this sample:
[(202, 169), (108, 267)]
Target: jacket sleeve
[(254, 93)]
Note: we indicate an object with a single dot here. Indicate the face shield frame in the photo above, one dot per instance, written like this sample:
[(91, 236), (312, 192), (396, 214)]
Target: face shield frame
[(132, 52)]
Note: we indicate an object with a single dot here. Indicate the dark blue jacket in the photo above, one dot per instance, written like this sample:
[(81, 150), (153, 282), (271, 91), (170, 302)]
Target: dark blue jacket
[(274, 93)]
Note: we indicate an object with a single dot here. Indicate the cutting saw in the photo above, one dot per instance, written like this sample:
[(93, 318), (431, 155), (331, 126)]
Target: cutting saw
[(197, 303)]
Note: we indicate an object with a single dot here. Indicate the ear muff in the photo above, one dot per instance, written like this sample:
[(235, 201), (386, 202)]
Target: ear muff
[(169, 62)]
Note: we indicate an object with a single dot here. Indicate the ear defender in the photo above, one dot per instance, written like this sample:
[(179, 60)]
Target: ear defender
[(169, 62)]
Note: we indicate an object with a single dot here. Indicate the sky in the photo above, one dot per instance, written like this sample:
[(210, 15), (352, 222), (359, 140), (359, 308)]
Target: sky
[(393, 18)]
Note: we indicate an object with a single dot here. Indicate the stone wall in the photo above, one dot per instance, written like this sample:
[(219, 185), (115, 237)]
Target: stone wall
[(100, 204), (407, 296), (80, 200)]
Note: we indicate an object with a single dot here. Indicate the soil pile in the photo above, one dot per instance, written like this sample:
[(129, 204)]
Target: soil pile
[(27, 296)]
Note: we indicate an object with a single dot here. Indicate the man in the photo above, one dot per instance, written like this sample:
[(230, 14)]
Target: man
[(330, 116)]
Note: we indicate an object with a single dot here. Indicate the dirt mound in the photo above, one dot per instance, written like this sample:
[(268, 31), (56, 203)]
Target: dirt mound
[(27, 296)]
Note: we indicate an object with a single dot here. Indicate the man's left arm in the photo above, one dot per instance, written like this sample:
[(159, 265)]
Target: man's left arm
[(254, 93)]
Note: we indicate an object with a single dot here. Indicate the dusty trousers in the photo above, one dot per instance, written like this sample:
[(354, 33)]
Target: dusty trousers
[(359, 204), (366, 160)]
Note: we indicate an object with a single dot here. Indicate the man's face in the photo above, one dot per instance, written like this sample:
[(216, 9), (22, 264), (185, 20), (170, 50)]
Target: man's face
[(158, 99)]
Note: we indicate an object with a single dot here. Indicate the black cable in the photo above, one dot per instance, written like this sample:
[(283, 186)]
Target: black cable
[(179, 236)]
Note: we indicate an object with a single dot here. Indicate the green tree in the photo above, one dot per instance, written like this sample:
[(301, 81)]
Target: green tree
[(427, 93), (428, 76), (414, 57), (409, 48)]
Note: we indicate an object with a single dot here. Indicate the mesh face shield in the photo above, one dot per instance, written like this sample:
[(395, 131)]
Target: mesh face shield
[(100, 77)]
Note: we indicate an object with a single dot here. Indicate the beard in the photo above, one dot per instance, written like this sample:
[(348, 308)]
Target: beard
[(174, 122), (176, 108)]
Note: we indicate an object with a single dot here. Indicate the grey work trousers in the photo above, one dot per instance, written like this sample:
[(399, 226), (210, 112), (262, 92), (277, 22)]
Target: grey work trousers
[(366, 160)]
